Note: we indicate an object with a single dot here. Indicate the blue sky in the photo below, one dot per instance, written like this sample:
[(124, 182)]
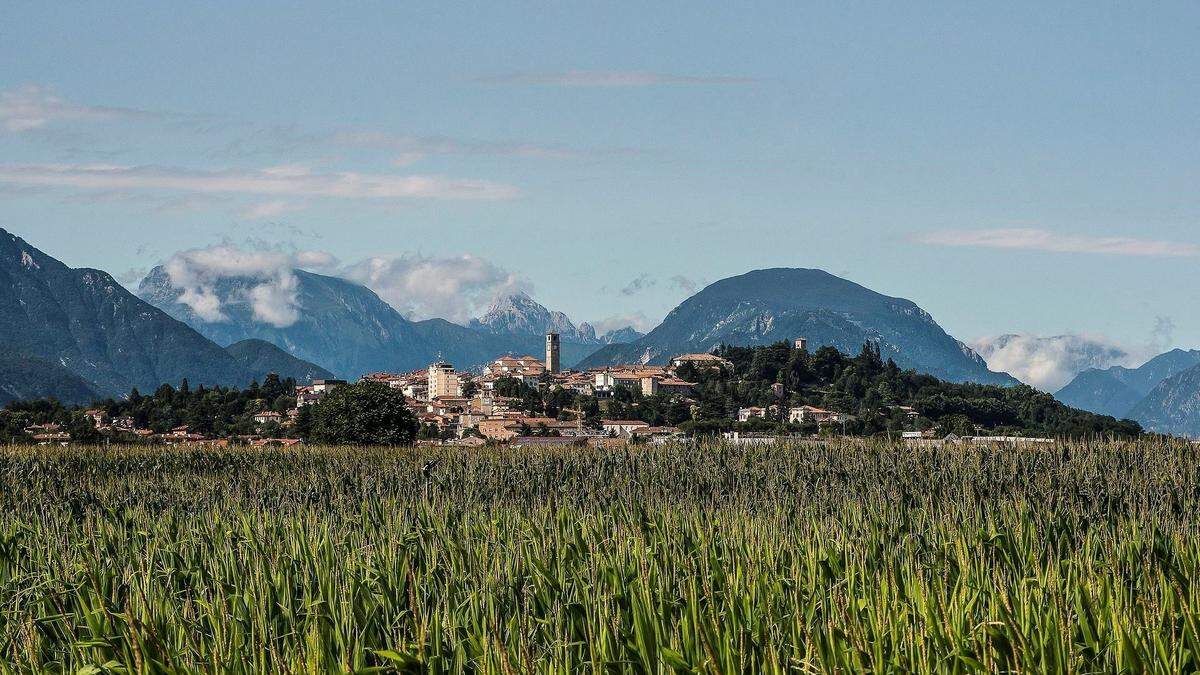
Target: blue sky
[(1010, 168)]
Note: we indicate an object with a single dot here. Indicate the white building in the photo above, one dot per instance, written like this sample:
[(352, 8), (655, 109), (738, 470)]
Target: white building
[(808, 414)]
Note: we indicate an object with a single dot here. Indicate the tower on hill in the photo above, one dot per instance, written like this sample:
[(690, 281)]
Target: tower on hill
[(552, 353)]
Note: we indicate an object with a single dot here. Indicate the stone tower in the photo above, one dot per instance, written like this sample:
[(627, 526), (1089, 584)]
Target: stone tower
[(552, 363)]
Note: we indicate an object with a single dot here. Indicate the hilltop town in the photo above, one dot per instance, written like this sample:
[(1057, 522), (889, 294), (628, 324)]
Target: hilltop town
[(478, 407)]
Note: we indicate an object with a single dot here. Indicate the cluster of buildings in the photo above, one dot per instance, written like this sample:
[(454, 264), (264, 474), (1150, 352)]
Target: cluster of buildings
[(467, 408)]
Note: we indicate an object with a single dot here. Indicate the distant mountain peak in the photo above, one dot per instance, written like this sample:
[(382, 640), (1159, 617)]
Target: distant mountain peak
[(516, 313), (769, 305)]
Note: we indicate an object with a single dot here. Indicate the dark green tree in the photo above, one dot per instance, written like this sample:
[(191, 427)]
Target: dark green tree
[(366, 413)]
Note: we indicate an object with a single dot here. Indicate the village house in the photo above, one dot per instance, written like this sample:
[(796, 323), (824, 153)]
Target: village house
[(700, 361), (807, 414), (744, 414), (268, 417)]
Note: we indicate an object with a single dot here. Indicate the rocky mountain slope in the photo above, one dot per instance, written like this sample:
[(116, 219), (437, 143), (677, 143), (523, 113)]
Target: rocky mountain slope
[(1118, 390), (1173, 406), (88, 324)]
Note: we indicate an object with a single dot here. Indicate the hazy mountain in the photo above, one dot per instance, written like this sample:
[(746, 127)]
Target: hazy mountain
[(1147, 376), (1173, 406), (765, 306), (1100, 391), (519, 314), (1118, 390), (261, 358), (87, 323), (621, 336)]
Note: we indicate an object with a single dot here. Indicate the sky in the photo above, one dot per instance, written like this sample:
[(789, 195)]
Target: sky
[(1011, 168)]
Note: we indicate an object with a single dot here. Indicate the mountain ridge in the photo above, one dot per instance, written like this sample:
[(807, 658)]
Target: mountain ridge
[(763, 306), (86, 322)]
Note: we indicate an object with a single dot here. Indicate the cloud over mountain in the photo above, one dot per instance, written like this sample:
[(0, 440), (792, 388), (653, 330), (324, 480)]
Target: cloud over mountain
[(455, 288), (1048, 363), (196, 273)]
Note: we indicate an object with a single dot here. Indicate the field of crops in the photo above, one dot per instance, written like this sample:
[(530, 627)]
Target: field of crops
[(846, 557)]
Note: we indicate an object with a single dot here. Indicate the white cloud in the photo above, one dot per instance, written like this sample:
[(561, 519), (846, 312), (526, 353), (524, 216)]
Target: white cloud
[(295, 181), (1049, 363), (409, 149), (610, 78), (271, 209), (1043, 240), (270, 292), (638, 320), (455, 288), (31, 106)]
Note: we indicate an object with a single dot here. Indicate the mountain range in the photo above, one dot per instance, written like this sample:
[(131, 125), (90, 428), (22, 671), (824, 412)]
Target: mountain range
[(1154, 394), (77, 334), (769, 305), (350, 330)]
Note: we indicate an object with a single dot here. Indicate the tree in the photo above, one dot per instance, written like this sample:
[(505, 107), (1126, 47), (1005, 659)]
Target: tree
[(366, 413)]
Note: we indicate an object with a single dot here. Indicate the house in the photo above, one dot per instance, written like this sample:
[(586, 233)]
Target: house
[(744, 414), (97, 415), (658, 433), (622, 428), (515, 366), (807, 414), (51, 438), (674, 385), (322, 387), (649, 380), (499, 429), (268, 417), (700, 361)]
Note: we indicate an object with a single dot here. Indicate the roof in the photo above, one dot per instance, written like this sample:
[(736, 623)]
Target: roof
[(624, 423), (675, 382), (711, 358)]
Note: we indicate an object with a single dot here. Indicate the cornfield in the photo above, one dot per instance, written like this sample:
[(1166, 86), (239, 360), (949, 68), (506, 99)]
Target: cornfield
[(849, 556)]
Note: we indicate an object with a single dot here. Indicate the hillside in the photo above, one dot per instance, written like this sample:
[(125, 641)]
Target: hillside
[(26, 377), (765, 306), (87, 323), (261, 358)]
